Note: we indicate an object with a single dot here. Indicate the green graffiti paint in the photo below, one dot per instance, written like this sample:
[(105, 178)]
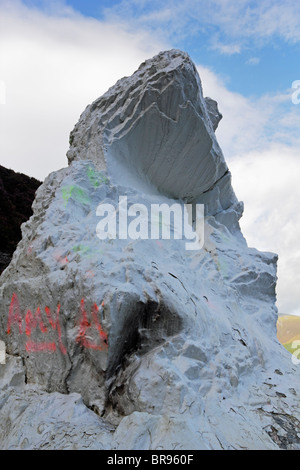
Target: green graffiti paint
[(81, 249), (86, 251), (76, 193), (96, 178)]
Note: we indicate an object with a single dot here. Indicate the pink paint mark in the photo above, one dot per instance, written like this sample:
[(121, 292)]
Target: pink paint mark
[(55, 323), (85, 325), (89, 274), (32, 321), (102, 333), (209, 303), (31, 346), (14, 314), (63, 260)]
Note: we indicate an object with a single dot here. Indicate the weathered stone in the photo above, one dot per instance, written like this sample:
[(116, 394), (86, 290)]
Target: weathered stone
[(173, 348)]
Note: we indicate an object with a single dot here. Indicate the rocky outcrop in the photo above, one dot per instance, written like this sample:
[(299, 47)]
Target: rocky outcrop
[(154, 345)]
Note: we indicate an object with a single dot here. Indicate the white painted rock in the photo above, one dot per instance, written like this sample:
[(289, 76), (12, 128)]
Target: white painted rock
[(154, 127), (141, 343)]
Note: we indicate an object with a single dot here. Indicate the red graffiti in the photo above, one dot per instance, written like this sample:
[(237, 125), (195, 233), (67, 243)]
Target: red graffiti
[(14, 315), (85, 325), (32, 346), (31, 323), (29, 250), (61, 259), (35, 320), (54, 322)]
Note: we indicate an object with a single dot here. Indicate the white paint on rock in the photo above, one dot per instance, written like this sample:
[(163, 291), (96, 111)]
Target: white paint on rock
[(192, 361), (2, 352)]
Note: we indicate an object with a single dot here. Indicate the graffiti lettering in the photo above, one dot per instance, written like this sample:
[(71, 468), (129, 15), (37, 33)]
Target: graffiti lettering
[(85, 325), (14, 315), (33, 320), (31, 323)]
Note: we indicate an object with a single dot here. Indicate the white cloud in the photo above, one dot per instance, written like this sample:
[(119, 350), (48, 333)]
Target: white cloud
[(2, 92), (251, 123), (259, 20), (268, 183), (53, 67), (226, 49), (237, 23), (253, 61)]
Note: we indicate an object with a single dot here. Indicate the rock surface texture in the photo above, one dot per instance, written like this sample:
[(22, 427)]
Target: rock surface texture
[(125, 343)]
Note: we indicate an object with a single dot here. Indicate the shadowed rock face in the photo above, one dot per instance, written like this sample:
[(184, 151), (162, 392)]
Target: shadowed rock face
[(172, 348)]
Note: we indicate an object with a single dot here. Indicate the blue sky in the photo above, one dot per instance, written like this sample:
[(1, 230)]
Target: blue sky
[(252, 61), (57, 56)]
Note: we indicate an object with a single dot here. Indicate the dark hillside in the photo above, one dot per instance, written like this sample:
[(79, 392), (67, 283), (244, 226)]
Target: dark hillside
[(17, 192)]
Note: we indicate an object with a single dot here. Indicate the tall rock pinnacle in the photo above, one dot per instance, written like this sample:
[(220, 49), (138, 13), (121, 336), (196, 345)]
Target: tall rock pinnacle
[(154, 125), (119, 338)]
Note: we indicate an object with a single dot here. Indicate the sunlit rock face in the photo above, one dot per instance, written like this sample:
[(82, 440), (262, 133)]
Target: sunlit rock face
[(156, 125), (152, 345)]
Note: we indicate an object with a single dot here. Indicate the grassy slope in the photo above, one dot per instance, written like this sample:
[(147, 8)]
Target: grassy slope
[(288, 331)]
